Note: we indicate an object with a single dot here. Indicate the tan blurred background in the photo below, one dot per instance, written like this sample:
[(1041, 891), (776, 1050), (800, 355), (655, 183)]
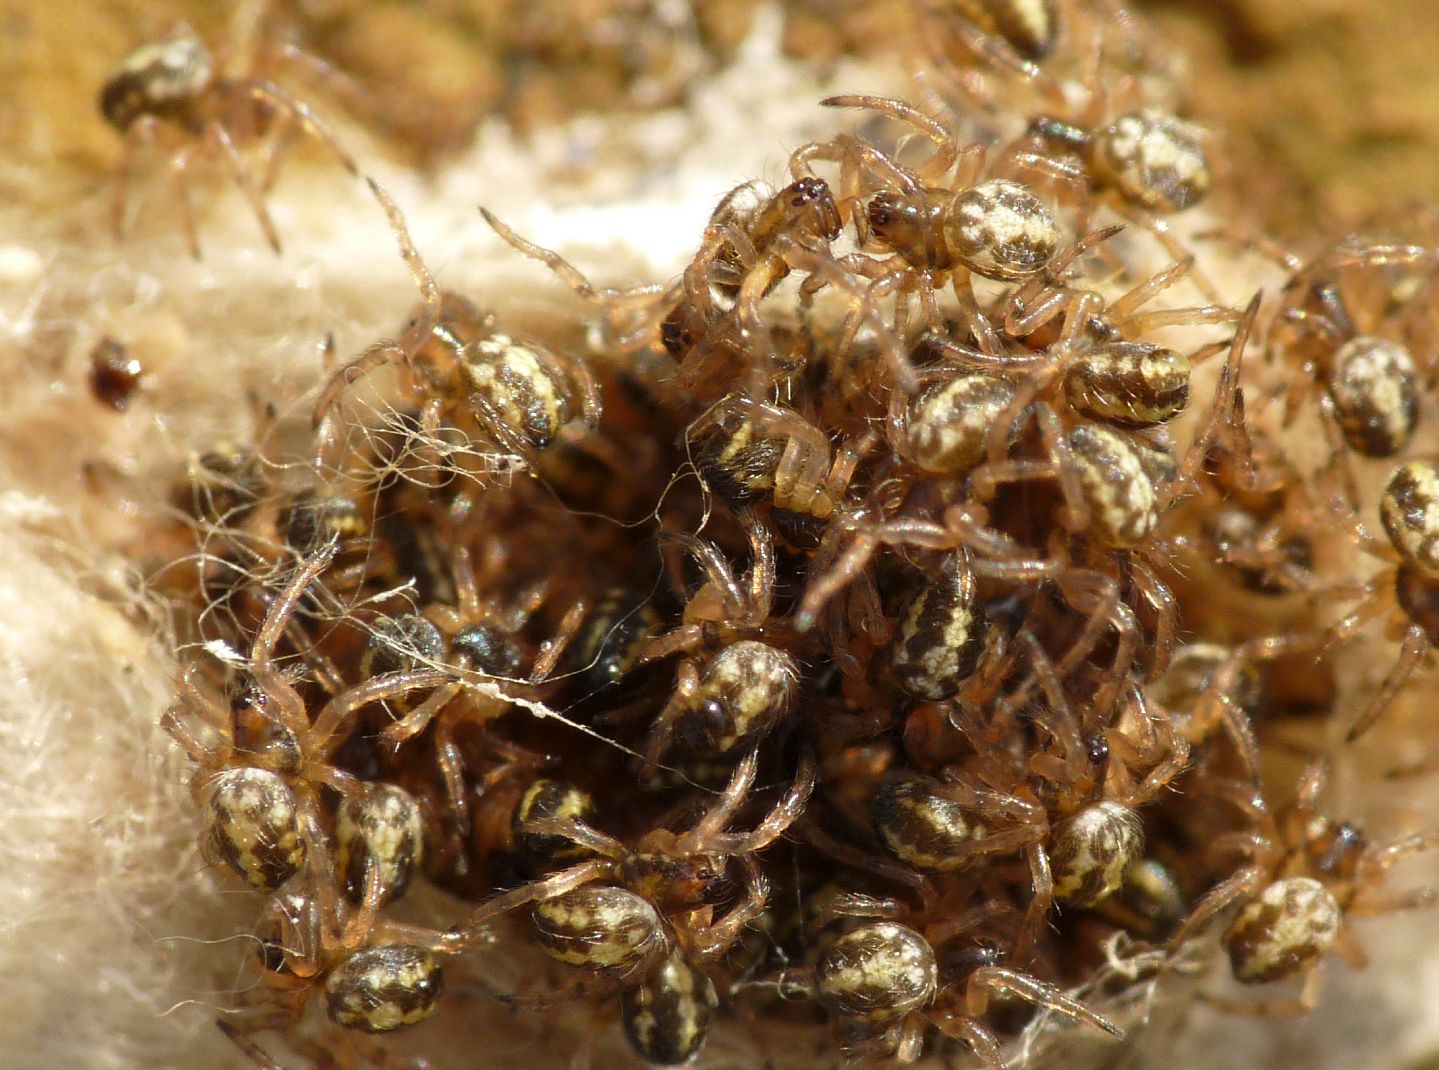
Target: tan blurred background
[(1336, 102)]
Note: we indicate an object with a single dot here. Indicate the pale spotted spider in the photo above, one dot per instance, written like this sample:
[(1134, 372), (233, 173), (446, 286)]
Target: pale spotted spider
[(262, 757), (1335, 321), (884, 983), (938, 228), (1143, 162), (1409, 591), (625, 910), (460, 368), (1304, 877), (732, 686), (1071, 808), (750, 452), (174, 92), (373, 978), (478, 641), (1115, 482), (666, 883)]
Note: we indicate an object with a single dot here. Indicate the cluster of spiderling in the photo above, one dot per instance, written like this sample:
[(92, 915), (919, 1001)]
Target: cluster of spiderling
[(871, 632)]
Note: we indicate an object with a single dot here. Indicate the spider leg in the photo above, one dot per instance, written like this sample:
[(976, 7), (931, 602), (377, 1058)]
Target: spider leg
[(1039, 904), (1411, 653), (180, 182), (718, 938), (775, 823), (142, 131), (392, 736), (1297, 1007), (999, 979), (1239, 884), (980, 1040), (331, 725), (471, 934), (269, 93), (219, 137), (251, 1050)]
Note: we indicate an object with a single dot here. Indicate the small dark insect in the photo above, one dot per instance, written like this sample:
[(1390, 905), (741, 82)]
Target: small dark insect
[(172, 92), (114, 374)]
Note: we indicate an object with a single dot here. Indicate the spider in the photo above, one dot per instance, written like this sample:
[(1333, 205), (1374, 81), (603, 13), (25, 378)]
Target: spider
[(259, 773), (743, 257), (1075, 820), (1149, 162), (751, 451), (457, 365), (1252, 533), (1409, 512), (603, 656), (753, 241), (673, 875), (937, 228), (175, 92), (883, 982), (1332, 324), (934, 634), (253, 518), (638, 918), (1149, 159), (753, 235), (477, 640), (1305, 877), (731, 688), (971, 409), (374, 980), (1098, 372)]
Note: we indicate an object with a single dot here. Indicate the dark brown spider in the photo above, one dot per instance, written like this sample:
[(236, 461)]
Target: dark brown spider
[(175, 93)]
